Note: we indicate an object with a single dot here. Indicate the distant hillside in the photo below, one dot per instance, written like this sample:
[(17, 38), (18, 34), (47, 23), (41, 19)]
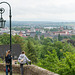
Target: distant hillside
[(39, 23)]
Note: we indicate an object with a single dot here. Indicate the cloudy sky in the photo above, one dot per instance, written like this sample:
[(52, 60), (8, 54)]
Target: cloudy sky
[(40, 10)]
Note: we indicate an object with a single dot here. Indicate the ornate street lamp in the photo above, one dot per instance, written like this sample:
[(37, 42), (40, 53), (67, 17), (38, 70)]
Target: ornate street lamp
[(2, 24), (2, 21)]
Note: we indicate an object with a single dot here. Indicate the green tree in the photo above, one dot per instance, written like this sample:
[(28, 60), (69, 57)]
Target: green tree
[(19, 40), (42, 37), (5, 39), (50, 61), (36, 37), (30, 52), (67, 65), (60, 37)]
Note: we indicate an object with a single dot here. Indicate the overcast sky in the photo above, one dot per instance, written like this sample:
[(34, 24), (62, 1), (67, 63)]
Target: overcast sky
[(40, 10)]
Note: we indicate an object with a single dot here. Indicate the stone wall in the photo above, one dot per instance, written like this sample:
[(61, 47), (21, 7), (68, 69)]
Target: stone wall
[(29, 70)]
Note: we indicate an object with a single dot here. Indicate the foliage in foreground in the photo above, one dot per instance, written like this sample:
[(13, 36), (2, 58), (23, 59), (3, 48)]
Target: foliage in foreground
[(47, 53)]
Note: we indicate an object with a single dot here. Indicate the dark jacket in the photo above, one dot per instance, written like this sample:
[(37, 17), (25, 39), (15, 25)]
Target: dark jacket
[(8, 58)]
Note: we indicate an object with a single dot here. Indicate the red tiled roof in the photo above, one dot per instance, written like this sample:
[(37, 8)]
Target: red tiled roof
[(25, 36)]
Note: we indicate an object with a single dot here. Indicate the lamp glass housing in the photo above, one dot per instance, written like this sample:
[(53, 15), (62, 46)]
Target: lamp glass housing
[(2, 23)]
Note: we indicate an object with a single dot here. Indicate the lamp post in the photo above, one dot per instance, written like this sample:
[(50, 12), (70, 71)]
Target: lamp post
[(3, 22)]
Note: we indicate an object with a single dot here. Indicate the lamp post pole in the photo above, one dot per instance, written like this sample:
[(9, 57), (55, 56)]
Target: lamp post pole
[(10, 31)]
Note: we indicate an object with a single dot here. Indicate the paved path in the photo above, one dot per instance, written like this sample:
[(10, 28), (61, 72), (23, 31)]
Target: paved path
[(3, 73)]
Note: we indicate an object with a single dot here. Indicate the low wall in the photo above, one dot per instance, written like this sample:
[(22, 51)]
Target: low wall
[(29, 70)]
